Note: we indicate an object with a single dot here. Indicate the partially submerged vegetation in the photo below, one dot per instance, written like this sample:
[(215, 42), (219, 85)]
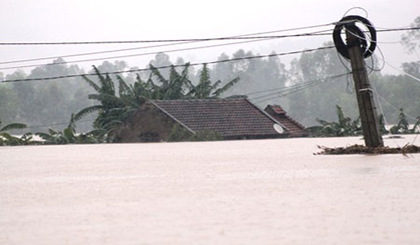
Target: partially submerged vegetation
[(361, 149), (117, 101), (346, 127)]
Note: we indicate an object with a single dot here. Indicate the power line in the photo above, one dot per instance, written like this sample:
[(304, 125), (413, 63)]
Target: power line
[(162, 45), (169, 66), (403, 72), (164, 40), (399, 29), (173, 40), (85, 54), (284, 91), (178, 42), (58, 124), (181, 42), (148, 53)]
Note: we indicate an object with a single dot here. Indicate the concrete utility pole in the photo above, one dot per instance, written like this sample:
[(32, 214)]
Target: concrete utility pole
[(367, 109)]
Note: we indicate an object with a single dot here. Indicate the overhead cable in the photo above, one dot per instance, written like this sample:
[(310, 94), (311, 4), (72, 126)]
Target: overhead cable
[(160, 41), (284, 91), (141, 54), (169, 66), (161, 45), (177, 40)]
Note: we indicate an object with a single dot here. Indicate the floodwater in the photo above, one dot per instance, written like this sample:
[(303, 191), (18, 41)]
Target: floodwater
[(231, 192)]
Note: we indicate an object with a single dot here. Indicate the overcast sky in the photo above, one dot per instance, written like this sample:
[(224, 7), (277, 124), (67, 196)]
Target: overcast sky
[(92, 20)]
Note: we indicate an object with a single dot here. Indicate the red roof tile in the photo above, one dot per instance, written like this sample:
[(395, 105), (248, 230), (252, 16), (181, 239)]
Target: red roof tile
[(229, 117), (294, 128)]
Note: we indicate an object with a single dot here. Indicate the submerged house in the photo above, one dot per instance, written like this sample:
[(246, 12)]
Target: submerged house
[(230, 118), (295, 129)]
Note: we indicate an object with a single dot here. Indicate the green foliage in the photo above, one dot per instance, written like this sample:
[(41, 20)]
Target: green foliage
[(344, 127), (403, 126), (69, 135), (398, 91), (205, 88), (8, 139), (26, 139), (115, 107), (179, 133), (382, 127), (12, 126)]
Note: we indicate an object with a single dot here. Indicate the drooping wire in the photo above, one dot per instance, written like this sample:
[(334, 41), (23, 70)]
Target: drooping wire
[(369, 39), (153, 41), (58, 124), (284, 91), (403, 72), (375, 93), (150, 53), (350, 84), (397, 109), (169, 66), (360, 8), (163, 45)]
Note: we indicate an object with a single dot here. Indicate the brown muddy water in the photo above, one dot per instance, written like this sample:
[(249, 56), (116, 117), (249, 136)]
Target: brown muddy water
[(231, 192)]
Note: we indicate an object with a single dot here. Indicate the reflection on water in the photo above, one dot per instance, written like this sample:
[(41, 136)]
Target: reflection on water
[(234, 192)]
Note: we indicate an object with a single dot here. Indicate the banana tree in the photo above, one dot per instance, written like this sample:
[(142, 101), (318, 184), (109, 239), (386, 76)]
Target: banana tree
[(68, 135), (344, 127), (205, 88), (8, 139)]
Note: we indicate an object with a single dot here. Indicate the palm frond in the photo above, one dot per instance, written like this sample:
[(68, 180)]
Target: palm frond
[(159, 75), (72, 123), (45, 136), (230, 84), (91, 83), (107, 100), (13, 126), (86, 111), (5, 135), (123, 88)]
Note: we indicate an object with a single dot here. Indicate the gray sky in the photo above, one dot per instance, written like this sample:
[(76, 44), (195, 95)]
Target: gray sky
[(92, 20)]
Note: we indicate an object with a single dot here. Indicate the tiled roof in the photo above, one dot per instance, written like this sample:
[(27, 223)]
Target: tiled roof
[(229, 117), (295, 129)]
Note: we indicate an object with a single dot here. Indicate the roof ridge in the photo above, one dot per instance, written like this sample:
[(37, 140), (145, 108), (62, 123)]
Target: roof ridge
[(206, 99)]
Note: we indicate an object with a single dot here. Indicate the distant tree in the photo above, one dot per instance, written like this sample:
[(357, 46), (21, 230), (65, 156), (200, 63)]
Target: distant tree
[(161, 60), (411, 40), (206, 89), (412, 68), (313, 71), (9, 103), (107, 66), (255, 74)]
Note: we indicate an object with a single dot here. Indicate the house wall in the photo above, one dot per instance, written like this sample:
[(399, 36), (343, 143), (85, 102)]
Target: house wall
[(147, 125)]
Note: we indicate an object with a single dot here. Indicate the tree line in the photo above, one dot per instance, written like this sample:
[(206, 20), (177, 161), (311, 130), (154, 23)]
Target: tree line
[(45, 105)]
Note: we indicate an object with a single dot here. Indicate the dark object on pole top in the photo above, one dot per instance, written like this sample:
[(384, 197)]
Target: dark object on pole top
[(349, 22), (356, 50)]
